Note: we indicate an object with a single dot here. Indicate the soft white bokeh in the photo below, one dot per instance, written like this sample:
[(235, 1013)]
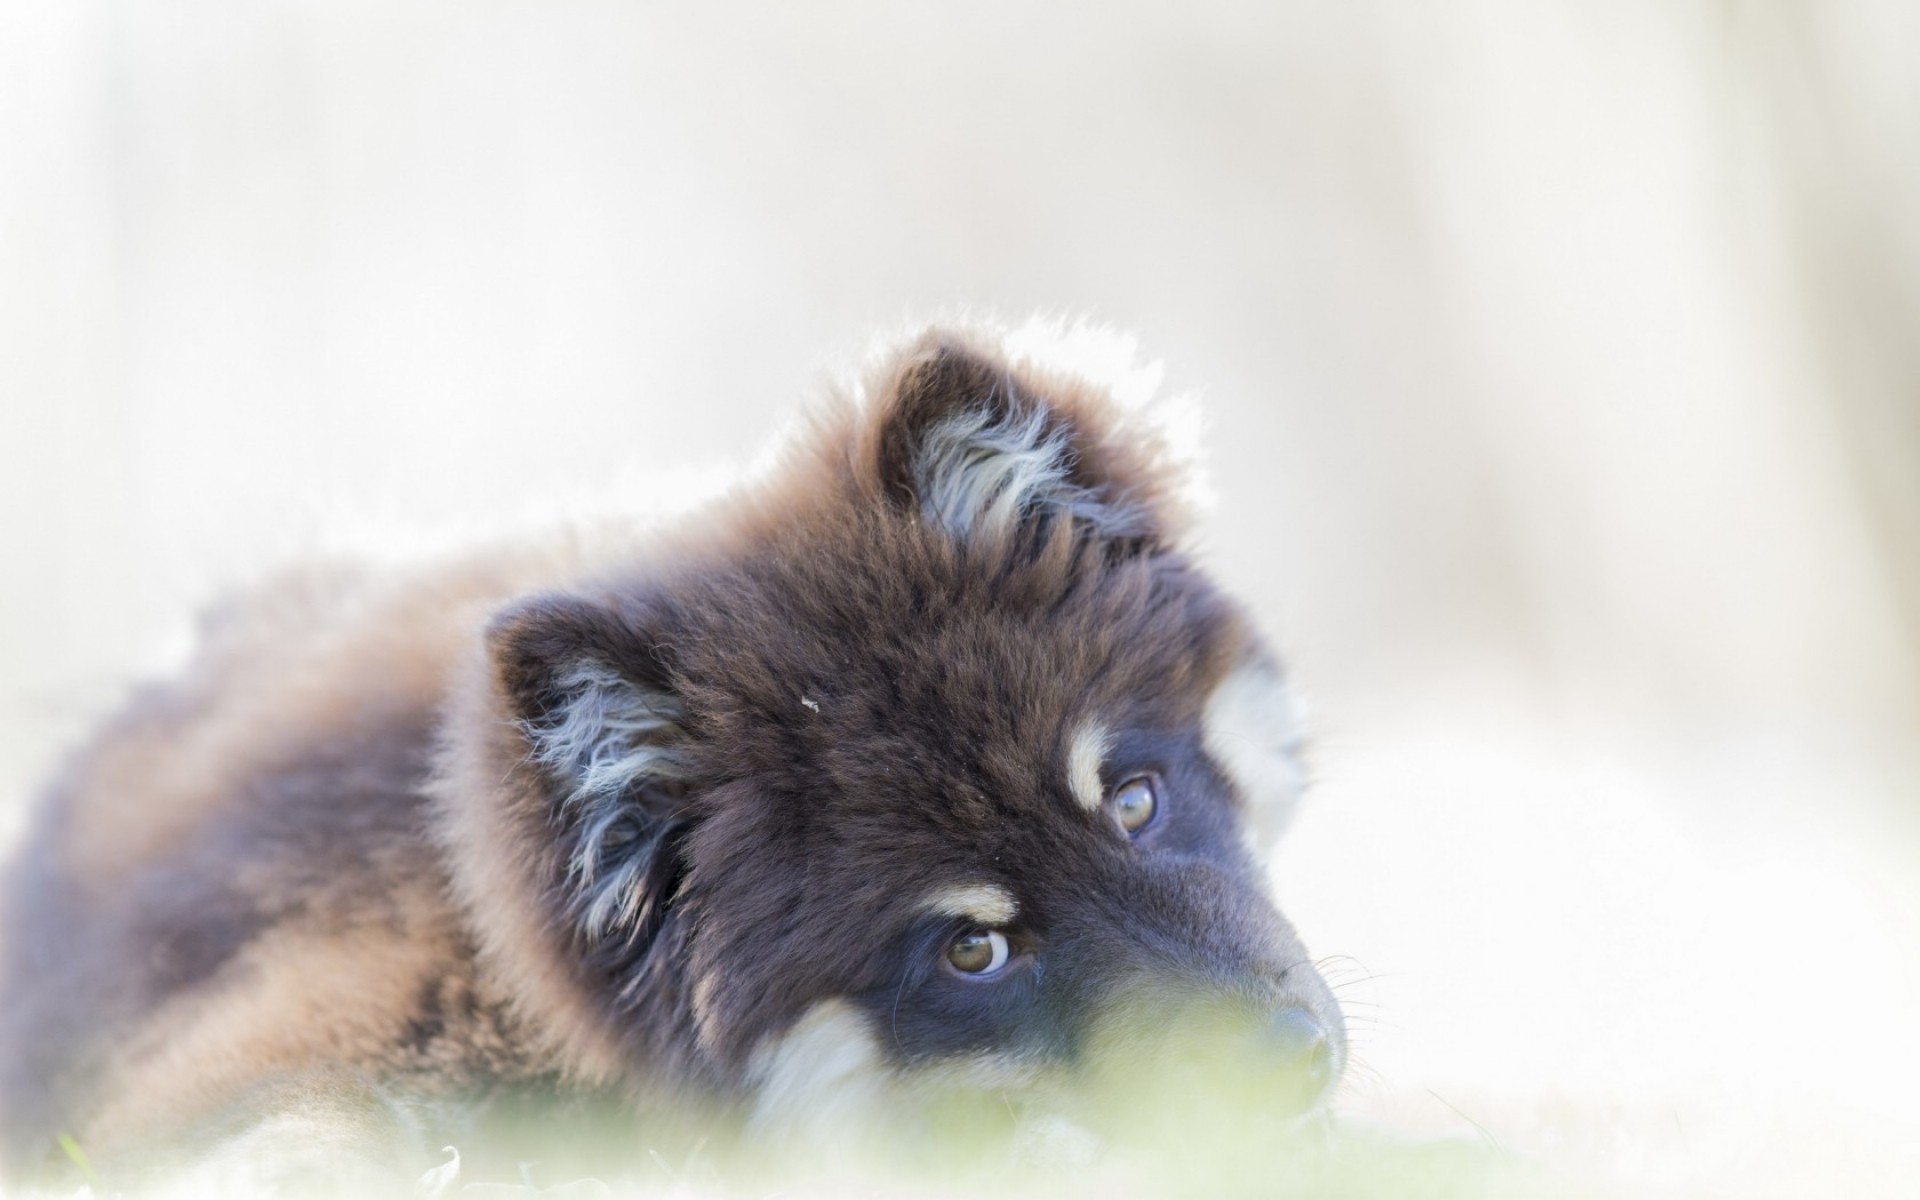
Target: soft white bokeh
[(1558, 362)]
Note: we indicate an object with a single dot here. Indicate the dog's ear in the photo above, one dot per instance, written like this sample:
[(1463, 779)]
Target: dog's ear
[(985, 448), (595, 697)]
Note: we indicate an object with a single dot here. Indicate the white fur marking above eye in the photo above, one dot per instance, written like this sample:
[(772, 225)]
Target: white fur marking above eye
[(988, 903), (978, 475), (606, 735), (824, 1072), (1252, 730), (1086, 752)]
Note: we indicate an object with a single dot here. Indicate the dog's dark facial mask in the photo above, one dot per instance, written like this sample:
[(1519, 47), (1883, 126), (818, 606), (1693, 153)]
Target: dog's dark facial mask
[(939, 768)]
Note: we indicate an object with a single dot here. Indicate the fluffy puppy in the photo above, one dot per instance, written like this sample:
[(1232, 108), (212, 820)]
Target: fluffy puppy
[(927, 763)]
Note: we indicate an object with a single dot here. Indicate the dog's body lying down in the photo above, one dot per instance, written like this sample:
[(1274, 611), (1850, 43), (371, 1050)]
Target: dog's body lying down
[(927, 764)]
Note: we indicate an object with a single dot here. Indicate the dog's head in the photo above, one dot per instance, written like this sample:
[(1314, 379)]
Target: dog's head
[(932, 764)]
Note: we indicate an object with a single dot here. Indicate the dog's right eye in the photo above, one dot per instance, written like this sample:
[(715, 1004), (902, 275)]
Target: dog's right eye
[(1135, 802), (978, 952)]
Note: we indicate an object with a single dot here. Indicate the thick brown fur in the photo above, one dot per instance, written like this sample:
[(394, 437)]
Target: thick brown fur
[(639, 815)]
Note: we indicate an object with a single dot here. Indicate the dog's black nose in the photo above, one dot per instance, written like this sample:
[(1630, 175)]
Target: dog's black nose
[(1297, 1046)]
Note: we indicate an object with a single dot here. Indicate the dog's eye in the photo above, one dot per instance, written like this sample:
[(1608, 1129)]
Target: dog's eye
[(979, 952), (1134, 803)]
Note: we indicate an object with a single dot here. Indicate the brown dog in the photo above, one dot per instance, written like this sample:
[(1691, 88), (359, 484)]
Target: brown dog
[(923, 764)]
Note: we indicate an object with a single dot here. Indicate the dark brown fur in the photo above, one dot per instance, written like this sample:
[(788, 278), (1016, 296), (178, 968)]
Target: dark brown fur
[(361, 839)]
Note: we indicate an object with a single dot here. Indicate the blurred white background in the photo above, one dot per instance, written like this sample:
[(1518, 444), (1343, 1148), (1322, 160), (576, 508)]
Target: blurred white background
[(1562, 362)]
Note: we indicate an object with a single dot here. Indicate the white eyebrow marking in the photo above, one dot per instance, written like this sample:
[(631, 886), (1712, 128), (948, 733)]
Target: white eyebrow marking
[(1085, 753), (987, 903)]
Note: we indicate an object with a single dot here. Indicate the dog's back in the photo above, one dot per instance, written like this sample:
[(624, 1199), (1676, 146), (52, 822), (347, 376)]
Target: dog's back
[(233, 883)]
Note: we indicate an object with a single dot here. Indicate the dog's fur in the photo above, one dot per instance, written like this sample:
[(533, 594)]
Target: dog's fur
[(694, 814)]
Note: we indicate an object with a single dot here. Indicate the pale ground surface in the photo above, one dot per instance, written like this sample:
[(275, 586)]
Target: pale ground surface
[(1562, 387)]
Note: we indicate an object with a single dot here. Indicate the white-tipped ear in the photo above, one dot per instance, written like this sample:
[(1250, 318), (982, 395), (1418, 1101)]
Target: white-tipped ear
[(979, 472), (608, 742), (603, 734), (607, 734), (1251, 729), (981, 448)]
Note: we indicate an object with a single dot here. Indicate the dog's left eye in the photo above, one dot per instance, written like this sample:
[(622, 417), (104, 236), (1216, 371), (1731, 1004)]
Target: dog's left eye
[(979, 952), (1135, 802)]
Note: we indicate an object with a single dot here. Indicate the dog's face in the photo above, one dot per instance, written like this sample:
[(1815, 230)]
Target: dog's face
[(938, 766)]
